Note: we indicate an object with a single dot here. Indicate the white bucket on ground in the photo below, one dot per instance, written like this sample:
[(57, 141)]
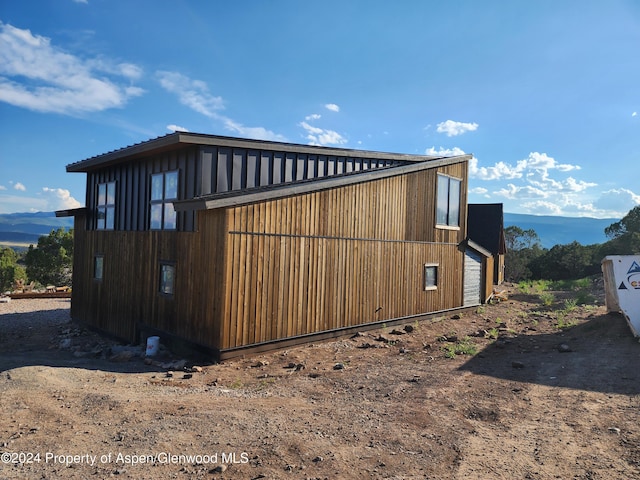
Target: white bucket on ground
[(153, 344)]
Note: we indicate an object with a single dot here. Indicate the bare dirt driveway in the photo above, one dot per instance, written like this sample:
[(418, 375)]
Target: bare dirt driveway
[(551, 392)]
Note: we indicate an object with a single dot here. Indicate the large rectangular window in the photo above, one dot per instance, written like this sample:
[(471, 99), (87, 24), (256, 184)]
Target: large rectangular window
[(448, 201), (106, 206), (164, 189)]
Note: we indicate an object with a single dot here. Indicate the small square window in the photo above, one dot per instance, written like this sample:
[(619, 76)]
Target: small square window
[(430, 276), (98, 267), (167, 278)]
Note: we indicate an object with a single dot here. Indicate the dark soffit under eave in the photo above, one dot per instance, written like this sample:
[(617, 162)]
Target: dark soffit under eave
[(244, 197), (178, 139)]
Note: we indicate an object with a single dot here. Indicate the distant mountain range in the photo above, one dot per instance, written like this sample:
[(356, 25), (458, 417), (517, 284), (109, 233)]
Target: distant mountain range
[(22, 229), (562, 230)]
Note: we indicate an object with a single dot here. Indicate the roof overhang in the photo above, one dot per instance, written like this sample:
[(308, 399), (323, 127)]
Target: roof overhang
[(72, 212), (253, 195), (177, 140)]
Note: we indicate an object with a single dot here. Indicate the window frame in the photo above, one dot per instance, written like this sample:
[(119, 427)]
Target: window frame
[(98, 258), (103, 207), (451, 223), (427, 284), (162, 285), (161, 205)]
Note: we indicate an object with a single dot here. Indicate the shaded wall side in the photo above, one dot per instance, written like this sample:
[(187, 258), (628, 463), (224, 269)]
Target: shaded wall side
[(128, 296), (133, 186)]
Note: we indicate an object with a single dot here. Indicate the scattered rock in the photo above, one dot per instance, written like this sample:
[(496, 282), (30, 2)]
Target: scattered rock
[(398, 332), (564, 348), (219, 469), (260, 363), (187, 376), (358, 334), (65, 343), (338, 366), (197, 369), (318, 459), (516, 364), (456, 317), (408, 328), (614, 430), (404, 350), (381, 338)]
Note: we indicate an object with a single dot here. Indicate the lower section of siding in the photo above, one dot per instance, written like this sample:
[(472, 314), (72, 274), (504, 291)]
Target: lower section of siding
[(280, 286), (235, 290)]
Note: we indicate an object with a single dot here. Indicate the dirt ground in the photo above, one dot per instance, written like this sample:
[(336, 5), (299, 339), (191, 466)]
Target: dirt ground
[(534, 402)]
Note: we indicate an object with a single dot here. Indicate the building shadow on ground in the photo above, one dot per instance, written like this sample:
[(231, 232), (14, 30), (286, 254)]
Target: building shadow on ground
[(600, 355)]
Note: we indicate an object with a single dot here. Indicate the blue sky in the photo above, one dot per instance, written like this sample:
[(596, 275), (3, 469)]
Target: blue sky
[(544, 94)]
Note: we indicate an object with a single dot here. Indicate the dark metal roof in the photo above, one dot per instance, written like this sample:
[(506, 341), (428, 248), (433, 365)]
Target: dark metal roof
[(251, 195), (485, 225), (178, 139)]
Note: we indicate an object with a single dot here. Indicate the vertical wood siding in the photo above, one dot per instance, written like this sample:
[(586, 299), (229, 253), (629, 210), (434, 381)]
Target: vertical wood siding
[(275, 269), (337, 258)]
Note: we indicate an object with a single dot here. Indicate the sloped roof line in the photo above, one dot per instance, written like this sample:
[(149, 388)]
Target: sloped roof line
[(173, 140)]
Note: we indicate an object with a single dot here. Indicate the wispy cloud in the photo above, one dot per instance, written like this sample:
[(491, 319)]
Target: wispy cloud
[(47, 200), (452, 128), (322, 136), (195, 94), (57, 81), (332, 106), (20, 187), (191, 93), (313, 116), (176, 128)]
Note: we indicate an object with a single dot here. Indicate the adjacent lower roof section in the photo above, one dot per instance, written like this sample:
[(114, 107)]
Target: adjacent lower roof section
[(252, 195)]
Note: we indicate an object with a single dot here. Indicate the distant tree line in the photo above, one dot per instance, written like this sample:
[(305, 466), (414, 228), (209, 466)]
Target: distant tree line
[(50, 263), (527, 260)]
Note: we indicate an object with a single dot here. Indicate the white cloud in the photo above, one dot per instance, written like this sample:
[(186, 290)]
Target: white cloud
[(444, 152), (619, 200), (313, 116), (195, 95), (176, 128), (49, 199), (59, 199), (452, 128), (2, 187), (321, 136), (513, 192), (86, 2), (332, 106), (19, 186), (498, 171), (542, 208), (258, 133), (479, 190), (634, 114), (57, 81), (191, 93)]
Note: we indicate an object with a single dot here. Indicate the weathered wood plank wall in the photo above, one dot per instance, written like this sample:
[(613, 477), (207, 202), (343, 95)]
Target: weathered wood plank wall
[(278, 269), (337, 258)]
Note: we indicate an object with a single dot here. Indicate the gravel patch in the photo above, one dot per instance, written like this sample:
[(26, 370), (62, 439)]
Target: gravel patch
[(34, 313)]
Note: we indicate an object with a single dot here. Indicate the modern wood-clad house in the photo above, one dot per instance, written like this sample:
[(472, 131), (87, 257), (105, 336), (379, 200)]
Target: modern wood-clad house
[(232, 244)]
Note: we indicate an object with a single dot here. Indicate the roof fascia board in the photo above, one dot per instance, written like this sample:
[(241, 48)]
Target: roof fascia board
[(179, 138), (244, 197)]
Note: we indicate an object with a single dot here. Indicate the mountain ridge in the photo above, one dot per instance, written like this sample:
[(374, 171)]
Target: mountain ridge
[(26, 228)]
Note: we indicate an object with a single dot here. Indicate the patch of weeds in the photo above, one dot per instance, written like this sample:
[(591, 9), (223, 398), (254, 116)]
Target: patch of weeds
[(461, 347), (480, 310), (570, 304), (492, 333), (236, 385), (567, 285), (562, 322), (547, 298), (584, 298)]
